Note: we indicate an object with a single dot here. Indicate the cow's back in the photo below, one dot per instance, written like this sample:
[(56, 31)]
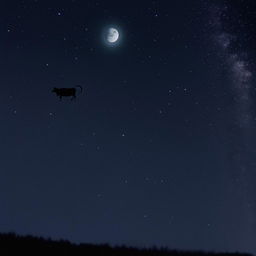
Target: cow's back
[(66, 91)]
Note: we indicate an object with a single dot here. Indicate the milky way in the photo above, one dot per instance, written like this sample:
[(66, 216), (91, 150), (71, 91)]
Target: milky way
[(239, 74), (239, 71)]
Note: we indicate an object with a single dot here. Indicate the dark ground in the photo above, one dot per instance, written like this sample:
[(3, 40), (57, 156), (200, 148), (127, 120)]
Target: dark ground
[(12, 244)]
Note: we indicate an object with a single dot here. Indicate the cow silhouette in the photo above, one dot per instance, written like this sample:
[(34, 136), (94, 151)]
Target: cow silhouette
[(67, 92)]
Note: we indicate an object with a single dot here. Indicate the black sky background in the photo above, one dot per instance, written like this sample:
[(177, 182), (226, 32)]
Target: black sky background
[(154, 151)]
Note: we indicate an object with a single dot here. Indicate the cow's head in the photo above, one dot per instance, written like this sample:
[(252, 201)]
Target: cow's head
[(54, 89)]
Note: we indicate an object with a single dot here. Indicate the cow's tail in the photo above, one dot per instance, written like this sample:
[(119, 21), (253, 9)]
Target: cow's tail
[(81, 88)]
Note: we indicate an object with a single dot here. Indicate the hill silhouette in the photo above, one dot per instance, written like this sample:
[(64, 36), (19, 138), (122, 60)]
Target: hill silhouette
[(12, 244)]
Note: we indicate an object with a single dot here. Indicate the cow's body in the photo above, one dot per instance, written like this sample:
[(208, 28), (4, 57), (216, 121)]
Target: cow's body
[(66, 92)]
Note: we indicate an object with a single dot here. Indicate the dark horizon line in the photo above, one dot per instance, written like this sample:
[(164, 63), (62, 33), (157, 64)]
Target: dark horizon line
[(11, 240)]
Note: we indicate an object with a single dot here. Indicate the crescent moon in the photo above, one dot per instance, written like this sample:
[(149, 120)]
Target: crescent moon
[(112, 35)]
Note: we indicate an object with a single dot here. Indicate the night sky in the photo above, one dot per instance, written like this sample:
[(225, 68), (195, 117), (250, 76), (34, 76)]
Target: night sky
[(160, 147)]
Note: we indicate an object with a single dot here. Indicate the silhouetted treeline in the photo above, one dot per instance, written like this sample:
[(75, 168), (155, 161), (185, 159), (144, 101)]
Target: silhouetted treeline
[(12, 244)]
